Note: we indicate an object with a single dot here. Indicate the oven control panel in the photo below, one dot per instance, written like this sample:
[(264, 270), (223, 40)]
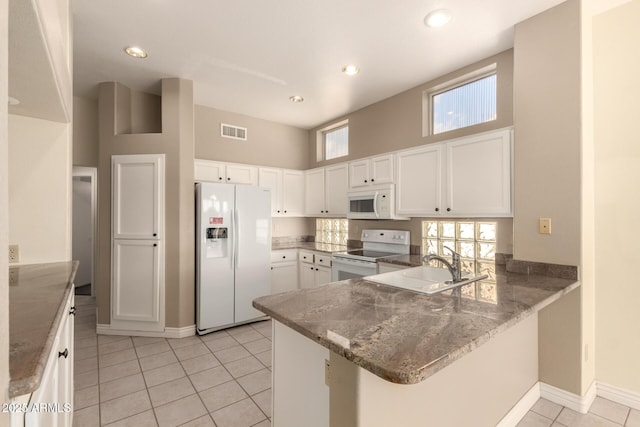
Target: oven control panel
[(399, 237)]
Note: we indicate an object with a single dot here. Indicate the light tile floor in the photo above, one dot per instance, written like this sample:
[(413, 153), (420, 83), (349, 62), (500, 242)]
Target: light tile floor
[(221, 379), (603, 413)]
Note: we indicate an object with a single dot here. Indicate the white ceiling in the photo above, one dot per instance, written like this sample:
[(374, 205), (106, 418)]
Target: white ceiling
[(250, 56)]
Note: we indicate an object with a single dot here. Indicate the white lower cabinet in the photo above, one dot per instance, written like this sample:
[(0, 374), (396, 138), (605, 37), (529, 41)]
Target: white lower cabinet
[(51, 405), (284, 270), (300, 393), (315, 269)]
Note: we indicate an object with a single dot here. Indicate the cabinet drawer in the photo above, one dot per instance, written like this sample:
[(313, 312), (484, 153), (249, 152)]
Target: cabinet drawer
[(323, 259), (306, 256), (284, 255)]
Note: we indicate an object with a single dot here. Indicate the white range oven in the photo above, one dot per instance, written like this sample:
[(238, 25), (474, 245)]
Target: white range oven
[(376, 244)]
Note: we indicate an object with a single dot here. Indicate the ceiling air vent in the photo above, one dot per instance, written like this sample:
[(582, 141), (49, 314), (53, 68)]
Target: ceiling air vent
[(233, 132)]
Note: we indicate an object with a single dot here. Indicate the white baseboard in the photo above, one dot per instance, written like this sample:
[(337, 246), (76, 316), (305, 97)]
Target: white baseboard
[(567, 399), (186, 331), (521, 408), (619, 395)]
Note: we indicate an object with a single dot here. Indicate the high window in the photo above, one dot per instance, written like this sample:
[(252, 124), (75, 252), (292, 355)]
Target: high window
[(464, 102), (335, 140)]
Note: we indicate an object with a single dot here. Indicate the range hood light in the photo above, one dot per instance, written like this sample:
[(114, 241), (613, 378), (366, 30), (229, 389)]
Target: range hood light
[(296, 98)]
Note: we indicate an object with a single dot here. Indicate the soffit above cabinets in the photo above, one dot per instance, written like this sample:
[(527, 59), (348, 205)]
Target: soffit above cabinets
[(39, 76)]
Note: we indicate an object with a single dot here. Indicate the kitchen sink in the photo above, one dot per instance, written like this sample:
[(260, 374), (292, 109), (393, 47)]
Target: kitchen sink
[(425, 279)]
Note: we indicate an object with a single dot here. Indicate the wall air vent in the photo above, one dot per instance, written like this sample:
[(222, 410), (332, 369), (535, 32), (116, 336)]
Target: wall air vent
[(233, 132)]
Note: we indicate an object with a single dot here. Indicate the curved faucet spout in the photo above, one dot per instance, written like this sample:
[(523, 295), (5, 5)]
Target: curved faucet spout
[(454, 266)]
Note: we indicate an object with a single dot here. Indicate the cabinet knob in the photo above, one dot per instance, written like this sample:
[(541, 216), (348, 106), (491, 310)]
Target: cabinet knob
[(272, 268), (311, 268), (285, 211), (284, 257), (437, 209), (64, 353), (220, 178), (228, 179), (320, 260), (448, 209), (155, 234), (155, 244), (316, 269), (365, 181), (321, 211), (278, 211), (372, 180), (72, 310)]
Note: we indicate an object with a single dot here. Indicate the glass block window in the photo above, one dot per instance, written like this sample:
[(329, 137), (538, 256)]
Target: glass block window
[(475, 242), (334, 231), (465, 105), (336, 142)]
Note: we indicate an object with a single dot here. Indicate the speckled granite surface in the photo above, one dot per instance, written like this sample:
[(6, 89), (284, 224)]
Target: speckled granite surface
[(37, 294), (312, 246), (402, 336)]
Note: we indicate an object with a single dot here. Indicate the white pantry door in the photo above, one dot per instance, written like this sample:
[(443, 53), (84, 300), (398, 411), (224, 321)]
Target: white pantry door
[(137, 244)]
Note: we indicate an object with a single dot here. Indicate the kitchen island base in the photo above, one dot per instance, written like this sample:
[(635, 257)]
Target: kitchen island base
[(478, 389)]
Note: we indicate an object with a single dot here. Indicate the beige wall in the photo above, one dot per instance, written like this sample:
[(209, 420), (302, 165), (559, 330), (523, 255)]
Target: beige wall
[(617, 196), (4, 214), (547, 135), (176, 141), (396, 122), (268, 143), (40, 189), (85, 132), (547, 119)]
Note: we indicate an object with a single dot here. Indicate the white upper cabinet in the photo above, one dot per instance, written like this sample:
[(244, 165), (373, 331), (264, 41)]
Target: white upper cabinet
[(372, 171), (326, 191), (467, 177), (419, 186), (336, 188), (137, 195), (287, 190), (314, 192), (479, 175), (232, 173)]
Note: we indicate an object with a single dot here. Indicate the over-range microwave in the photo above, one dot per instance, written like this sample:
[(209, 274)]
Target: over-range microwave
[(374, 203)]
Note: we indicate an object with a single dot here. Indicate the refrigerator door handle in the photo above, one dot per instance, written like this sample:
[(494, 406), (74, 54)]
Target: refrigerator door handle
[(236, 236), (232, 256)]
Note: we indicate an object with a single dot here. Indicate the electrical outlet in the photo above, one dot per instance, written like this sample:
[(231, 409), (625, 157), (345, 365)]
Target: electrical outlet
[(14, 254), (13, 276), (544, 226), (327, 371)]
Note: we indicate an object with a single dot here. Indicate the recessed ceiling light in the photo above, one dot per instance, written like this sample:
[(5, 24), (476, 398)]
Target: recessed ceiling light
[(296, 98), (350, 70), (437, 18), (13, 101), (136, 52)]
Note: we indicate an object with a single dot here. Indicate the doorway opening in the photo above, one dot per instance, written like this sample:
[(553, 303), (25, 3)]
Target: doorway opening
[(84, 227)]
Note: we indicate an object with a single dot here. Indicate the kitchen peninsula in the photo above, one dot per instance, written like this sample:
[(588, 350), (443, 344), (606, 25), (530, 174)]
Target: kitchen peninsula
[(355, 353)]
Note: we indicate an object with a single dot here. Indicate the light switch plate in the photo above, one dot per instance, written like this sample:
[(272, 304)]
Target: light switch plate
[(544, 226)]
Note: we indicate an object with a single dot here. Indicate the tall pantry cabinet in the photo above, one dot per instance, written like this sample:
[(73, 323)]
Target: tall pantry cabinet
[(137, 242)]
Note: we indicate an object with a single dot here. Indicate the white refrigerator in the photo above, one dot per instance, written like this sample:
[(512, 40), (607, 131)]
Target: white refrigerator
[(233, 253)]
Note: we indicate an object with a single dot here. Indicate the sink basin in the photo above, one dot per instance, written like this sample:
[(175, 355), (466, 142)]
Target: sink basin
[(425, 279)]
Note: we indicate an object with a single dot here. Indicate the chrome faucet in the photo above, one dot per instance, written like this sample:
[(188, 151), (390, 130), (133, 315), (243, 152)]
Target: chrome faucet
[(454, 266)]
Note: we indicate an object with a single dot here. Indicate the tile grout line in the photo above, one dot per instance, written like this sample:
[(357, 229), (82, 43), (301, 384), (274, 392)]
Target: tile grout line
[(144, 380)]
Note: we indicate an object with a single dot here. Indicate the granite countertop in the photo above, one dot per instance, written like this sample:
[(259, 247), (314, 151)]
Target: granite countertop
[(37, 296), (405, 337), (312, 246)]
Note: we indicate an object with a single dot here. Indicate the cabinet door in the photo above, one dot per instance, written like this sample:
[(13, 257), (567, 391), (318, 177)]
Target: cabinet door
[(382, 170), (207, 170), (272, 178), (307, 275), (359, 175), (135, 285), (323, 275), (137, 196), (284, 277), (336, 188), (314, 192), (66, 356), (242, 174), (479, 175), (419, 181), (292, 193)]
